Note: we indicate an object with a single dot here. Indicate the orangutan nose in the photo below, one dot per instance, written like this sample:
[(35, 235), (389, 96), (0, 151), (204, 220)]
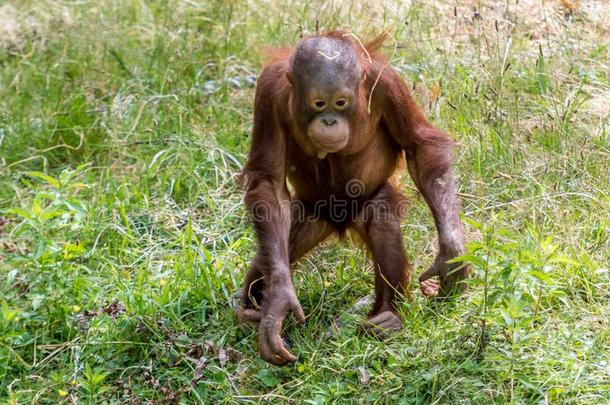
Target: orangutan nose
[(329, 120)]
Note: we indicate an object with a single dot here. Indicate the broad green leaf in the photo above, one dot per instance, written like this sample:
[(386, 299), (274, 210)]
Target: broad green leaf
[(42, 176)]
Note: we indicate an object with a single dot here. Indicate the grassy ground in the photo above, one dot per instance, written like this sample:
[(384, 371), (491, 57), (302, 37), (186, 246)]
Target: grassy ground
[(123, 125)]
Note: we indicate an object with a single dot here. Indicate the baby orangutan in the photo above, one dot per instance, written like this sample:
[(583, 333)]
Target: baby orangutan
[(333, 119)]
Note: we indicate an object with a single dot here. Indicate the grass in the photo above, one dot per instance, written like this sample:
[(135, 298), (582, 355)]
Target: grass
[(123, 235)]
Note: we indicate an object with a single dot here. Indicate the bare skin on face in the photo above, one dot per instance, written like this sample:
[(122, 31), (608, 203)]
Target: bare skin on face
[(312, 127)]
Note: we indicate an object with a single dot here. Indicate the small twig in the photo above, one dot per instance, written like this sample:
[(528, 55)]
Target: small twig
[(42, 152), (335, 56), (250, 296), (366, 52), (382, 69), (73, 344)]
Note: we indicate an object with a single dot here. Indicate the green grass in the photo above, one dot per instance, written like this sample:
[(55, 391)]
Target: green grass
[(123, 126)]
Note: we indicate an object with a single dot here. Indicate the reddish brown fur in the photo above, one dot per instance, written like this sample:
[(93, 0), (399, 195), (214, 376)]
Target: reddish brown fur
[(280, 150)]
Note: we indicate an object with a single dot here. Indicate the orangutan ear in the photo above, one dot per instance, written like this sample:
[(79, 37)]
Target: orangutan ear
[(289, 78)]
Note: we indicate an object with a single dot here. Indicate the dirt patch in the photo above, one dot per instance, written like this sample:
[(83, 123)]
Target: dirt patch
[(547, 23), (18, 27), (599, 103)]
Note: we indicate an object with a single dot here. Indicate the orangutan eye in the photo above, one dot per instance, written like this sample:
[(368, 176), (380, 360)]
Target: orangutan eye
[(341, 103), (319, 105)]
